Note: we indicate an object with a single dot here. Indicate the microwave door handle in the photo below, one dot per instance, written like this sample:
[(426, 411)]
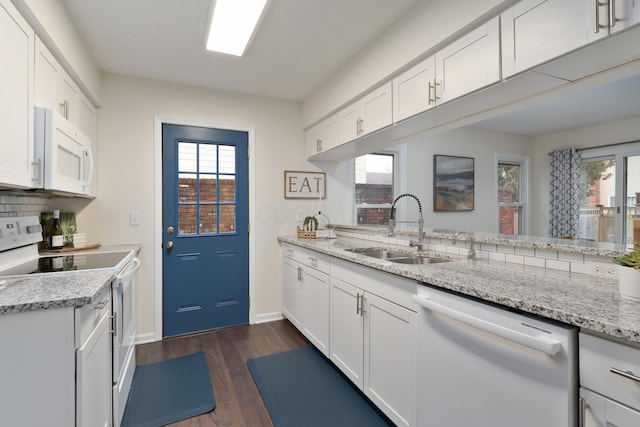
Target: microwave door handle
[(89, 153)]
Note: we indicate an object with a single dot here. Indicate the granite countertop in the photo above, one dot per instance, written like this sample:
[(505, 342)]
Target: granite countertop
[(589, 302), (65, 289)]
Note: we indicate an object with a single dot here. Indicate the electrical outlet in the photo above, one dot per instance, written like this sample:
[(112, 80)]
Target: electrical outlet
[(134, 218), (600, 270), (611, 271)]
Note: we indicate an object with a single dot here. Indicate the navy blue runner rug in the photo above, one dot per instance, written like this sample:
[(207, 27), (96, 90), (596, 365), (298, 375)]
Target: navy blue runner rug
[(302, 388)]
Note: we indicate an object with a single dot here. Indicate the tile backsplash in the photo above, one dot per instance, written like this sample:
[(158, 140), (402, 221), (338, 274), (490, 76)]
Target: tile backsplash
[(19, 205)]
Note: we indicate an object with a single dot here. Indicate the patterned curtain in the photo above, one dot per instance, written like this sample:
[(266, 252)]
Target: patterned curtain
[(564, 206)]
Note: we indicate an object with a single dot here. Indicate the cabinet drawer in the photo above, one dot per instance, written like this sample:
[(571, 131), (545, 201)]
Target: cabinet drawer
[(600, 359), (307, 257), (89, 316)]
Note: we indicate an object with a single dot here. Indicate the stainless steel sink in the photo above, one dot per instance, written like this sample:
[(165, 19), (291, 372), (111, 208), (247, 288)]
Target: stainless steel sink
[(379, 253), (419, 260), (399, 257)]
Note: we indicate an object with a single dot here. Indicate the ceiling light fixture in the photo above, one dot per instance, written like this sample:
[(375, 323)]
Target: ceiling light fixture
[(233, 24)]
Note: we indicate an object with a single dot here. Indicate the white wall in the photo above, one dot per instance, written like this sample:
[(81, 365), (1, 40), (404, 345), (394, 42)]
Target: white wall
[(126, 173), (593, 136), (426, 28)]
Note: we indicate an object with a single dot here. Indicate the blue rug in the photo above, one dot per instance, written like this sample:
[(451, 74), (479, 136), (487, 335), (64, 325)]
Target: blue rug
[(302, 388), (169, 391)]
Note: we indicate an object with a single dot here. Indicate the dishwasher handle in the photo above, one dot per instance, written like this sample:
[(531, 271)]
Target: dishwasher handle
[(543, 344)]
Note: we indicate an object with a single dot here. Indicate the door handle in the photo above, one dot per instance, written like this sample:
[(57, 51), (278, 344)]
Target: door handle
[(169, 244)]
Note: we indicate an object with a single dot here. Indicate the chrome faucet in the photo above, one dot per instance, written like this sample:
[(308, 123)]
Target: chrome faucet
[(419, 244), (472, 252)]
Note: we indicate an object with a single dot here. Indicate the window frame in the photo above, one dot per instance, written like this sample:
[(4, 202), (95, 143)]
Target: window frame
[(523, 197), (398, 180)]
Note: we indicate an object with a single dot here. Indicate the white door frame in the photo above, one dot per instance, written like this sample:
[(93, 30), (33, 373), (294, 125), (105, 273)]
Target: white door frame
[(157, 239)]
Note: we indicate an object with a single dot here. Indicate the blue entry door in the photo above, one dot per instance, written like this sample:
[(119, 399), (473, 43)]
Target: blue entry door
[(205, 215)]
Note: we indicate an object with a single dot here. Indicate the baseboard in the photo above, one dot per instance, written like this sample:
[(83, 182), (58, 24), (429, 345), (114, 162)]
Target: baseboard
[(268, 317), (145, 338)]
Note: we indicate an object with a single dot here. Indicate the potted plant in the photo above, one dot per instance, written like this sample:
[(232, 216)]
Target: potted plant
[(629, 275)]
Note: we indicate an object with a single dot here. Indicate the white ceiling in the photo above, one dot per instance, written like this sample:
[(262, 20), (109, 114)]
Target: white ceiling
[(299, 45)]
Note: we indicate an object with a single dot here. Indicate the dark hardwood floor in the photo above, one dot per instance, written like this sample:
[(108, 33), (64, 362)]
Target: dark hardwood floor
[(238, 402)]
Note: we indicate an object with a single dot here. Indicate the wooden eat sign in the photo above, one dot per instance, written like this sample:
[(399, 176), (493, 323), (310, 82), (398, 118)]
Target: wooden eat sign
[(305, 185)]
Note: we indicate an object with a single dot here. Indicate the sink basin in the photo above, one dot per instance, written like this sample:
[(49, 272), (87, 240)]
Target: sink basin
[(399, 257), (379, 253), (419, 260)]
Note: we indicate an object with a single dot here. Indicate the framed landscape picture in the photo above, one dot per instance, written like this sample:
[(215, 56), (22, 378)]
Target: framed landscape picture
[(453, 183)]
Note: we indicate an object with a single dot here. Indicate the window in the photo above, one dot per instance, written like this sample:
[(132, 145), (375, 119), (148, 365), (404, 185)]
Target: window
[(610, 184), (374, 188), (511, 196)]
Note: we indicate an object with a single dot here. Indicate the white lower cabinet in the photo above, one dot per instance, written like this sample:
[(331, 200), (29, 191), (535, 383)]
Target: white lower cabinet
[(373, 337), (305, 294), (610, 383), (94, 379)]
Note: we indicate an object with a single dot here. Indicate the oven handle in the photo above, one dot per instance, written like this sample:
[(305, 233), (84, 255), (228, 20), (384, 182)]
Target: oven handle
[(129, 271), (543, 344)]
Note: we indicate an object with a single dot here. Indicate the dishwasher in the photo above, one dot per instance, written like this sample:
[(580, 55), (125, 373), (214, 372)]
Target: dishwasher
[(483, 365)]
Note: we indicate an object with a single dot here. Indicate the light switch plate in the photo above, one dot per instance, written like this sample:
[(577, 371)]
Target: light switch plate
[(134, 218)]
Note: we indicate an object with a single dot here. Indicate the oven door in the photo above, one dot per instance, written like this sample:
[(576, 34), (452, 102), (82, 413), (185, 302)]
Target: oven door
[(124, 302)]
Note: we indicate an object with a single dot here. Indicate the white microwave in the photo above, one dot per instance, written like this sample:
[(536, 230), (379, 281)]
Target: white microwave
[(63, 158)]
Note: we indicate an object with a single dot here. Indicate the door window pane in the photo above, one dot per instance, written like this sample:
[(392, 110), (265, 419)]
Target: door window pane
[(633, 200), (596, 221), (187, 219), (208, 219), (208, 188), (187, 155), (227, 188), (227, 159), (187, 191), (227, 218), (208, 158)]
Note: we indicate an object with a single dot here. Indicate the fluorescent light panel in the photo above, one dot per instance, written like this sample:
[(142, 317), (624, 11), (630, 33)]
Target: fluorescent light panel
[(232, 25)]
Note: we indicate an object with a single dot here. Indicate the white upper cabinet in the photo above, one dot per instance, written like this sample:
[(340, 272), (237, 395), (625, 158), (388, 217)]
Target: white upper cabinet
[(413, 90), (535, 31), (16, 101), (368, 114), (469, 63), (55, 89), (322, 137), (465, 65)]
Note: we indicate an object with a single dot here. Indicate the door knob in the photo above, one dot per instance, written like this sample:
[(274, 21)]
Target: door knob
[(169, 244), (170, 229)]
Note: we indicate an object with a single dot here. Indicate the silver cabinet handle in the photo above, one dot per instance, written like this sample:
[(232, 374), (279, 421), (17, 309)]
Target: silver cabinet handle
[(102, 304), (435, 90), (318, 145), (582, 407), (429, 87), (626, 374), (612, 13), (596, 14), (299, 273), (358, 308)]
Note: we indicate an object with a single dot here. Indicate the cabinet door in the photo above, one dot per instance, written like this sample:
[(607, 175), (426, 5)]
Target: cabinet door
[(602, 412), (469, 63), (390, 361), (377, 111), (346, 327), (292, 292), (315, 306), (67, 93), (624, 13), (46, 77), (413, 90), (329, 133), (349, 123), (535, 31), (94, 379), (313, 144), (16, 101)]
